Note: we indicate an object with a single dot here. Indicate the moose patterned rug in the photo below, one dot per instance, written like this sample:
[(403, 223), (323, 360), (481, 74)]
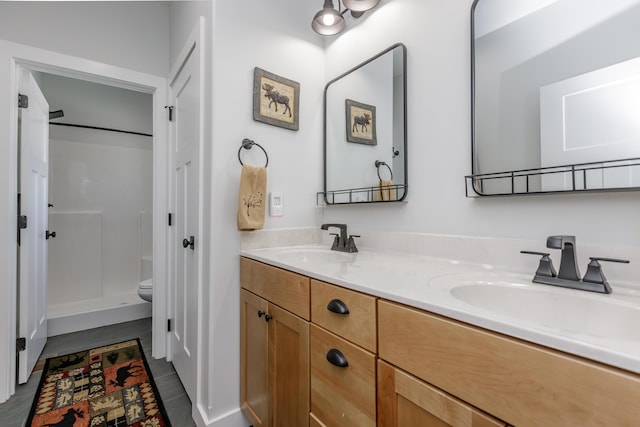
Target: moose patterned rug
[(109, 386)]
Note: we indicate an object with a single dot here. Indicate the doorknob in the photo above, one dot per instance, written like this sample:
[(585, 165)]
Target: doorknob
[(52, 235), (189, 243)]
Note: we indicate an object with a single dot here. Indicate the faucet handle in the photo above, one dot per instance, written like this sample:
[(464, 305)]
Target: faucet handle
[(545, 268), (594, 272)]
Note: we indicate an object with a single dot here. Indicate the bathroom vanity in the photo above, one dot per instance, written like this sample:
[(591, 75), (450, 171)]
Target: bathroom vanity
[(334, 339)]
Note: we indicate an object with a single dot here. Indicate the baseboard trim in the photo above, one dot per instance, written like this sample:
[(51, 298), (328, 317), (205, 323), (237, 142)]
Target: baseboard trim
[(232, 418)]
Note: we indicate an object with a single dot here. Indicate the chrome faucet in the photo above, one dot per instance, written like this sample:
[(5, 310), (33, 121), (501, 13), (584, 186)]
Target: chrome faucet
[(569, 275), (341, 242)]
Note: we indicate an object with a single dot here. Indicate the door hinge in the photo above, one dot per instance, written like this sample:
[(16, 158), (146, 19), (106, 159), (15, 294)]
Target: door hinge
[(170, 216), (170, 108), (168, 325), (23, 101), (22, 222), (21, 344)]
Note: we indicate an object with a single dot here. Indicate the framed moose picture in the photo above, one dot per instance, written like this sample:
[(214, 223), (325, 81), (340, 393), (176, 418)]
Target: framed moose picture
[(275, 99), (361, 123)]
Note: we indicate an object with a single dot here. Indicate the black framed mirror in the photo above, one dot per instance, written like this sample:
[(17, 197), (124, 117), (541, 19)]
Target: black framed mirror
[(365, 131), (555, 96)]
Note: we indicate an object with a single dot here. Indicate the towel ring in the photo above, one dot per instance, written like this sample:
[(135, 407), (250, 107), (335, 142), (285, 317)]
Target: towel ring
[(247, 144), (380, 163)]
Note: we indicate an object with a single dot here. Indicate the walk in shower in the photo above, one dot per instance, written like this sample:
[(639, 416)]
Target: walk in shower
[(100, 195)]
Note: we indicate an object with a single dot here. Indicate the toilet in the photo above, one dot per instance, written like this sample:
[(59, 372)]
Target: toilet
[(145, 290), (145, 287)]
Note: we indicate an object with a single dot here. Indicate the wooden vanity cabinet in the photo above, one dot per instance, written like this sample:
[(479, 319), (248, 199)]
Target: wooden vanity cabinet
[(406, 367), (521, 383), (274, 344)]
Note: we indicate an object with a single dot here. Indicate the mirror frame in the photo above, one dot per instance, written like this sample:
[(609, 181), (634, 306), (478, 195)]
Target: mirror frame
[(475, 177), (404, 124)]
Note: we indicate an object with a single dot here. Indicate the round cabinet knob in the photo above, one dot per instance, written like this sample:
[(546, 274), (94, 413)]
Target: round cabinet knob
[(268, 317), (50, 235)]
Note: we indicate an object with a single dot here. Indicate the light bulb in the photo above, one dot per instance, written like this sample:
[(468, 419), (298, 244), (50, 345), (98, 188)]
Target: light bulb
[(328, 19)]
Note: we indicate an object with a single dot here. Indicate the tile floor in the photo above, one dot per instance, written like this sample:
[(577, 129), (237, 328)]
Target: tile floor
[(14, 412)]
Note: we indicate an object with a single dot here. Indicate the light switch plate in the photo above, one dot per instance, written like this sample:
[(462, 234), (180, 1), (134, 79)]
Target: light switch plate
[(276, 204)]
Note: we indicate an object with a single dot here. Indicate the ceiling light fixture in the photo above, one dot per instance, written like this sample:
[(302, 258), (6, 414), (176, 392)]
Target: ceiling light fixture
[(330, 21)]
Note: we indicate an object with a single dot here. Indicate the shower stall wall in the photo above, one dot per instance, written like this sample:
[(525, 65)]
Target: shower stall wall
[(102, 199)]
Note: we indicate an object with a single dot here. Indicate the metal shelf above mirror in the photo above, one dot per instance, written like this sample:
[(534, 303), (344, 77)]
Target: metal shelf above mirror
[(583, 177), (374, 194)]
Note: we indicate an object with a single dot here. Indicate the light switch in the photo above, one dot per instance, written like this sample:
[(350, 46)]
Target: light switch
[(276, 204)]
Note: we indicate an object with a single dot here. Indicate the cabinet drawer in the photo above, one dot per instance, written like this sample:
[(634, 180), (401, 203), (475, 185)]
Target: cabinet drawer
[(358, 326), (405, 401), (519, 382), (281, 287), (341, 396)]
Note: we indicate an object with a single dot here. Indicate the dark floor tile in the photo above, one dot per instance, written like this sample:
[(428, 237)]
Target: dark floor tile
[(169, 386), (179, 412)]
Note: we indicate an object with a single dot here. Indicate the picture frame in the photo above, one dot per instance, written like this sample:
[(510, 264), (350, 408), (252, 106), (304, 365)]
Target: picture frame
[(276, 100), (361, 122)]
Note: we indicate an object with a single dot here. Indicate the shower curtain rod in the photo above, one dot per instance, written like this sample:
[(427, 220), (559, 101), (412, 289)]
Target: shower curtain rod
[(100, 128)]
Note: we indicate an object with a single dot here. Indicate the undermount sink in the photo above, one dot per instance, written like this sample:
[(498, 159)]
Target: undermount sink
[(564, 310), (315, 256)]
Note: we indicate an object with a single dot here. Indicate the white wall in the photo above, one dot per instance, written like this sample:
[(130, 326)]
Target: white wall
[(437, 37), (129, 34), (275, 36)]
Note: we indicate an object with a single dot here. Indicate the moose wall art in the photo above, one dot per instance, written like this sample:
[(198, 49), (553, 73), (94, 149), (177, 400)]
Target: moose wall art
[(361, 123), (275, 99)]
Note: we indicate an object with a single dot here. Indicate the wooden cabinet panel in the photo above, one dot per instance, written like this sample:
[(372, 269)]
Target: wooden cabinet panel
[(315, 422), (342, 396), (283, 288), (405, 401), (288, 368), (359, 326), (254, 392), (521, 383)]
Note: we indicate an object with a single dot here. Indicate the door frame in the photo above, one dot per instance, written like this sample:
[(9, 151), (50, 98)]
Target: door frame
[(35, 59)]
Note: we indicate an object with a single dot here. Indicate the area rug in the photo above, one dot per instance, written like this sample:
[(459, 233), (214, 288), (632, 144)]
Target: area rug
[(108, 386)]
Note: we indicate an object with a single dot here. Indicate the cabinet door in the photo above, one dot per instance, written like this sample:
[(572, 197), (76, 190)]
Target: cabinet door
[(288, 368), (254, 359), (405, 401)]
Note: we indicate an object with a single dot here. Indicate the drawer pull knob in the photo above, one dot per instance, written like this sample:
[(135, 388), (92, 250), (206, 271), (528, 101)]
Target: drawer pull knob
[(338, 307), (268, 317), (336, 358), (261, 313)]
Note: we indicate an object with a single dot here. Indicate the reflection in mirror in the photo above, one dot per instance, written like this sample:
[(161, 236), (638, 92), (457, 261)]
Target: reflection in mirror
[(556, 95), (365, 143)]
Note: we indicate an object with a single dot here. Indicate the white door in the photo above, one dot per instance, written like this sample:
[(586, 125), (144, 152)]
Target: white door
[(589, 118), (185, 92), (33, 187)]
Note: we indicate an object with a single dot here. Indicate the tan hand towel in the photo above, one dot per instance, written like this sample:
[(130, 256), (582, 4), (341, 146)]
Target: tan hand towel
[(251, 198), (386, 191)]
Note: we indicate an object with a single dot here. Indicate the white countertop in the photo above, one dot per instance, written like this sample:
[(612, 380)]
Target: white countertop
[(425, 283)]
